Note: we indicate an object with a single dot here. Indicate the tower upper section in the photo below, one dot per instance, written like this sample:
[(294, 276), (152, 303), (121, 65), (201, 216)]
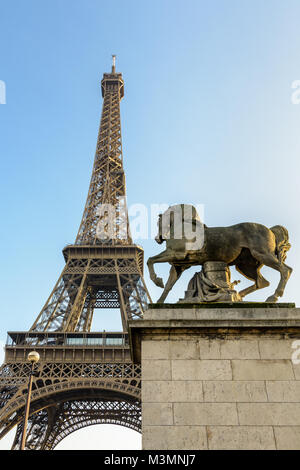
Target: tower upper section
[(112, 82), (105, 219)]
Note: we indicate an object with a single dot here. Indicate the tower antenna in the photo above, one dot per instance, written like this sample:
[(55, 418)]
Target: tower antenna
[(113, 69)]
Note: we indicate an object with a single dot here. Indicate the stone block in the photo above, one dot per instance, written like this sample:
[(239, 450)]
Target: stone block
[(239, 349), (209, 348), (205, 414), (184, 349), (201, 370), (287, 437), (265, 414), (229, 348), (296, 369), (174, 438), (262, 370), (240, 438), (278, 348), (156, 349), (170, 314), (157, 414), (156, 369), (172, 391), (234, 391), (283, 391)]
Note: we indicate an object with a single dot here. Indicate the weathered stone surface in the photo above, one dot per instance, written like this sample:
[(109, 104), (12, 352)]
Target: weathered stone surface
[(209, 348), (172, 391), (184, 349), (283, 391), (156, 349), (287, 437), (174, 438), (157, 414), (245, 312), (205, 414), (239, 349), (296, 369), (234, 391), (223, 378), (240, 438), (262, 370), (156, 369), (229, 349), (201, 369), (264, 414), (168, 314), (276, 349)]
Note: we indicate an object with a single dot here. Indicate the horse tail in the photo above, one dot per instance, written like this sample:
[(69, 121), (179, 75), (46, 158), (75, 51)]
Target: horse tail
[(282, 242)]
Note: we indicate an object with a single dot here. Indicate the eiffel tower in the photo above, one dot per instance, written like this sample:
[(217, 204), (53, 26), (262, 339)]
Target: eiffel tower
[(84, 377)]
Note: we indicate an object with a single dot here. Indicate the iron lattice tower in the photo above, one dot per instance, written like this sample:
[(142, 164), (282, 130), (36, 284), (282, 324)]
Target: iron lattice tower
[(84, 377)]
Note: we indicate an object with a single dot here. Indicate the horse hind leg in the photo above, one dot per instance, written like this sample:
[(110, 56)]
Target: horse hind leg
[(269, 259), (252, 272)]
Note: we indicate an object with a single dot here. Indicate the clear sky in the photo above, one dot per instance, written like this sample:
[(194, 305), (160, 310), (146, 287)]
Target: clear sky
[(207, 118)]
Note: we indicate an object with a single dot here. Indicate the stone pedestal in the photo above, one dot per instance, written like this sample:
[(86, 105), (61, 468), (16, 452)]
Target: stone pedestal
[(219, 376)]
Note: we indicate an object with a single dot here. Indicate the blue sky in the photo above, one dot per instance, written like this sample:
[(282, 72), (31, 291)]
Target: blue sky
[(207, 118)]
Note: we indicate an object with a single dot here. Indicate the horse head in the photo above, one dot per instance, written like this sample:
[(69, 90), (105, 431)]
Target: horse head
[(178, 222)]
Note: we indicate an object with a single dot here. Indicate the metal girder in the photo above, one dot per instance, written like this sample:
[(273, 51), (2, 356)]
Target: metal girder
[(70, 306)]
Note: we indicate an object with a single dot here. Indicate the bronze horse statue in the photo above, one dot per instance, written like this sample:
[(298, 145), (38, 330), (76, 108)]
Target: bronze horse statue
[(247, 246)]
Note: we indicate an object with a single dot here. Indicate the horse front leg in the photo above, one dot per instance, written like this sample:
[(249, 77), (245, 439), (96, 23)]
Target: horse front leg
[(175, 273), (161, 258)]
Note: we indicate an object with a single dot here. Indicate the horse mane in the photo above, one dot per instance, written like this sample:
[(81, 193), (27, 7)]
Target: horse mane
[(282, 241)]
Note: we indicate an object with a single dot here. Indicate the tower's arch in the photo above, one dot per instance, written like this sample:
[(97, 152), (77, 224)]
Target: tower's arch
[(53, 417)]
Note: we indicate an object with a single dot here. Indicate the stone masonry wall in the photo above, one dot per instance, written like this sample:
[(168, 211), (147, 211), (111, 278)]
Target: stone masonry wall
[(235, 392)]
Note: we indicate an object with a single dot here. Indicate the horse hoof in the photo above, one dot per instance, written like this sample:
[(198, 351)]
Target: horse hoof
[(272, 299), (160, 282)]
